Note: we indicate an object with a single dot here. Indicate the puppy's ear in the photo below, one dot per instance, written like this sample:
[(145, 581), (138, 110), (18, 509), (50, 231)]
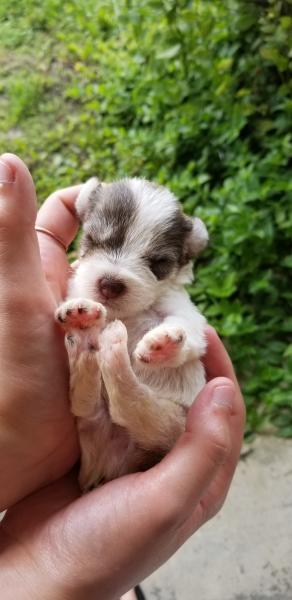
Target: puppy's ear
[(197, 238), (87, 197)]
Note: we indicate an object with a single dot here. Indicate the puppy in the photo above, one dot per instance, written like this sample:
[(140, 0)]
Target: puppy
[(134, 338)]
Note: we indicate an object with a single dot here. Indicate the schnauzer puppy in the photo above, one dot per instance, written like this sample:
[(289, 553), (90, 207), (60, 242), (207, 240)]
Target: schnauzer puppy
[(134, 338)]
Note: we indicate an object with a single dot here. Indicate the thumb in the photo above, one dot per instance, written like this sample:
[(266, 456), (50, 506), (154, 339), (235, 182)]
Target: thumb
[(178, 482), (19, 254), (17, 193)]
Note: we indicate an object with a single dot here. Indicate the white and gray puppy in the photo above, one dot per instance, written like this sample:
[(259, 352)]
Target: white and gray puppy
[(133, 336)]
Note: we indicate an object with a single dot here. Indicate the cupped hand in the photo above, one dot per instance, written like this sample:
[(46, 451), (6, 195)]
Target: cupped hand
[(38, 441), (57, 545)]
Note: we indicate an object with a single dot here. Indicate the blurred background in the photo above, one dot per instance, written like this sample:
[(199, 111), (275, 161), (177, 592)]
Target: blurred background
[(196, 95)]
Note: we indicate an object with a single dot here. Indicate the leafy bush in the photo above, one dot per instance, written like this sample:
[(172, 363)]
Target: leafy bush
[(196, 95)]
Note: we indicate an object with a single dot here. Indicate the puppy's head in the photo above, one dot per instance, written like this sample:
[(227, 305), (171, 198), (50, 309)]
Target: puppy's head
[(136, 243)]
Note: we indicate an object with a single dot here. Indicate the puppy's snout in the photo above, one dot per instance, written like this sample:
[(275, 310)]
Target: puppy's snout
[(111, 288)]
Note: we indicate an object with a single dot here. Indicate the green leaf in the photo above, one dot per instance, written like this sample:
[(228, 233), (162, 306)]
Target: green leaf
[(273, 55), (224, 287), (287, 324), (169, 53), (287, 261), (288, 351)]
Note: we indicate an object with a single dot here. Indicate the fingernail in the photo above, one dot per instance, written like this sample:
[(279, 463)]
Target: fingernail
[(6, 173), (223, 395)]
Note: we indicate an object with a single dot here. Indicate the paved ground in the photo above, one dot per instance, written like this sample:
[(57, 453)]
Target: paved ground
[(245, 553)]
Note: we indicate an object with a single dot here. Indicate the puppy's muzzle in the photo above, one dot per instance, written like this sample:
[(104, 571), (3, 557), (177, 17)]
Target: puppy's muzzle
[(111, 288)]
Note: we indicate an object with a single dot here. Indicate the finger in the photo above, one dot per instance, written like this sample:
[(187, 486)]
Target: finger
[(195, 460), (216, 361), (17, 188), (19, 257), (216, 493), (58, 216), (17, 198), (213, 498)]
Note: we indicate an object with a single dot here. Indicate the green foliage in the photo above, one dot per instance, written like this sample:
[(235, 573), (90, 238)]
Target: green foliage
[(196, 95)]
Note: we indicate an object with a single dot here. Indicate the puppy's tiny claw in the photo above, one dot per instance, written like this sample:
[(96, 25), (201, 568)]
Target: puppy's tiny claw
[(70, 339), (144, 359)]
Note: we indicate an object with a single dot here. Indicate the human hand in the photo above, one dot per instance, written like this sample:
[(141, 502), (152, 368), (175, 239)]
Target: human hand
[(101, 544), (38, 442)]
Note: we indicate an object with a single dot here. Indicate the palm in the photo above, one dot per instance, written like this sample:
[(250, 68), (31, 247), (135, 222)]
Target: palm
[(101, 519)]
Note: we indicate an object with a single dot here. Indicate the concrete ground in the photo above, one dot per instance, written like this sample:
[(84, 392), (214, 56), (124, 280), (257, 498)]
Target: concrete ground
[(245, 552)]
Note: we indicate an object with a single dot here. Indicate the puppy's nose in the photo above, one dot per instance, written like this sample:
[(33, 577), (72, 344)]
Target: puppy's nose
[(111, 288)]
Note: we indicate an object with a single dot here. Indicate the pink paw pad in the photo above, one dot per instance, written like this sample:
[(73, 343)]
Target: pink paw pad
[(80, 314), (159, 347)]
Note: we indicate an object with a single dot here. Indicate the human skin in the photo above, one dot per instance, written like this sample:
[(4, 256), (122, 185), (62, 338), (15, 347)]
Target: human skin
[(38, 441), (55, 544)]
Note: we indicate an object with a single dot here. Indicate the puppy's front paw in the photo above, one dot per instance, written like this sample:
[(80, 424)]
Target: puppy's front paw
[(80, 313), (161, 346)]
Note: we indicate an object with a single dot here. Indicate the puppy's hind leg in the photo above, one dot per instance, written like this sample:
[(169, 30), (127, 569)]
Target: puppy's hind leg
[(82, 321), (85, 378), (154, 423), (85, 397)]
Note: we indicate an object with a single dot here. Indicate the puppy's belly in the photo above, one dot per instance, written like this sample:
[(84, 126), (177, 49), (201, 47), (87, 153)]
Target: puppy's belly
[(180, 385), (112, 451)]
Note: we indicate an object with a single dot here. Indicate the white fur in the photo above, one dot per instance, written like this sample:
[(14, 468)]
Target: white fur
[(132, 379)]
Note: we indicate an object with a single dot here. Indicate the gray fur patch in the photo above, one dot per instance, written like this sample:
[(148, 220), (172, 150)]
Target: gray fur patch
[(110, 218), (167, 248)]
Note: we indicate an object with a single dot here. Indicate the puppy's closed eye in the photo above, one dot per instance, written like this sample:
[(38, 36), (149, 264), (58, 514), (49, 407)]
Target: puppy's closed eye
[(161, 266)]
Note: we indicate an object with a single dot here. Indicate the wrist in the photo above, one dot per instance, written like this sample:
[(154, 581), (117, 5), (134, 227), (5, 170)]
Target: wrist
[(21, 579), (26, 581)]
